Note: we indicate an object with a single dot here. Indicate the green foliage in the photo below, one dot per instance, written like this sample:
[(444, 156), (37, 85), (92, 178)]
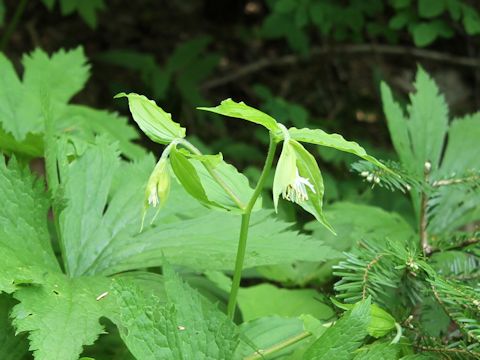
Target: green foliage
[(189, 64), (47, 86), (169, 329), (86, 9), (425, 20), (256, 302), (344, 337)]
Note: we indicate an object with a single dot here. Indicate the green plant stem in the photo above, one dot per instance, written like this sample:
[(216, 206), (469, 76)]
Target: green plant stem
[(214, 174), (13, 24), (260, 354), (242, 241)]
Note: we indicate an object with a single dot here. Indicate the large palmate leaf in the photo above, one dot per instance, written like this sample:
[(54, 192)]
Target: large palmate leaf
[(52, 305), (48, 84), (418, 136), (107, 239), (185, 327)]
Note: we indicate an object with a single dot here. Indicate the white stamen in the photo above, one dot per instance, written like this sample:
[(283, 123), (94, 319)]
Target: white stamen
[(153, 198), (297, 191)]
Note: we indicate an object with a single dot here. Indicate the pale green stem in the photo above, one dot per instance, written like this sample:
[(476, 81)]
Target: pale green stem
[(242, 242), (214, 174), (260, 354)]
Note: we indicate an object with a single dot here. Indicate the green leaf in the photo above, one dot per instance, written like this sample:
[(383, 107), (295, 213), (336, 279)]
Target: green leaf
[(240, 110), (59, 77), (188, 177), (340, 341), (233, 180), (269, 332), (456, 205), (186, 327), (88, 11), (61, 306), (471, 20), (354, 223), (24, 238), (84, 123), (86, 184), (426, 33), (12, 347), (49, 82), (308, 168), (381, 322), (256, 301), (336, 141), (378, 351), (154, 122), (431, 8)]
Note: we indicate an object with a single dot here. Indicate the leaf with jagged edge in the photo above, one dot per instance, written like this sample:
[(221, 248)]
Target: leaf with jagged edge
[(341, 340), (62, 315), (12, 347), (418, 137), (48, 84), (50, 304), (186, 327), (24, 238), (455, 205)]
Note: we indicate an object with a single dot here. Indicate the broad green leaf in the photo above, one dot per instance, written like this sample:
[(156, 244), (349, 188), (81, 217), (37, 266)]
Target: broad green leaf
[(24, 238), (336, 141), (267, 300), (186, 327), (59, 307), (341, 340), (86, 183), (154, 122), (378, 351), (381, 322), (257, 336), (427, 124), (12, 347), (431, 8), (49, 82), (396, 122), (355, 223), (235, 181), (59, 77), (84, 122), (241, 110), (19, 108), (188, 176)]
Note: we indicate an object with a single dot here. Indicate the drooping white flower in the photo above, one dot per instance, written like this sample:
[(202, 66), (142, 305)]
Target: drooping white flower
[(158, 185), (297, 190)]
